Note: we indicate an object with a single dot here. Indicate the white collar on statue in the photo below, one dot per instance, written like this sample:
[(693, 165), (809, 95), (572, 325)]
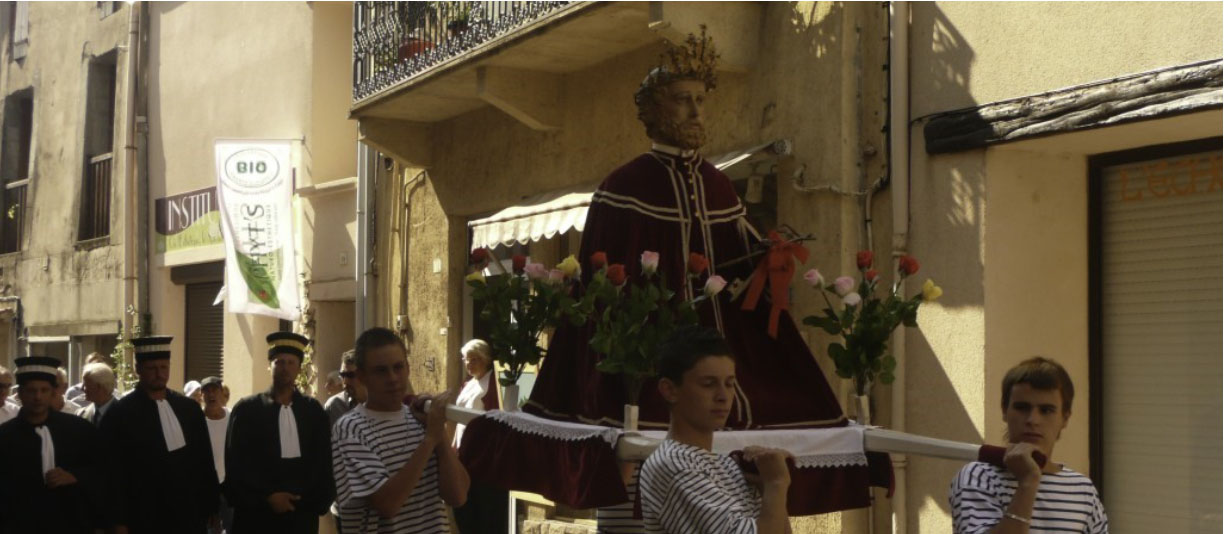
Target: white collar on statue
[(675, 151)]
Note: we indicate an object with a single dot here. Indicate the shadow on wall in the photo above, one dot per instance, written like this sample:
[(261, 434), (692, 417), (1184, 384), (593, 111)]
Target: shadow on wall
[(947, 205)]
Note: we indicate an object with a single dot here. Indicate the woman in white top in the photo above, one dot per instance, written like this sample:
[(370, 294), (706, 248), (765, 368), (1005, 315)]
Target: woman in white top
[(486, 507)]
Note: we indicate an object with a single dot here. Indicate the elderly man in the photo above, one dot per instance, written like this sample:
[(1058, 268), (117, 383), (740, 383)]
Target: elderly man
[(51, 463), (164, 475), (353, 393), (216, 396), (61, 402), (8, 409), (76, 393), (99, 381), (278, 458)]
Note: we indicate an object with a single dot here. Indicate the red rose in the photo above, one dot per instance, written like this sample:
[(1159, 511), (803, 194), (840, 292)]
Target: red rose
[(479, 257), (864, 259), (616, 274), (598, 260), (697, 263), (907, 265), (871, 275), (519, 261)]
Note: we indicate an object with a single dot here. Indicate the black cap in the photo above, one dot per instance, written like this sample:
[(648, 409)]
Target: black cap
[(210, 381), (152, 348), (36, 368), (287, 343)]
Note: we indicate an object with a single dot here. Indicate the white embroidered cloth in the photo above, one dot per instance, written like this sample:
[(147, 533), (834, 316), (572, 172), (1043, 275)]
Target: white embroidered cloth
[(48, 448), (811, 447), (530, 424), (171, 431), (287, 425)]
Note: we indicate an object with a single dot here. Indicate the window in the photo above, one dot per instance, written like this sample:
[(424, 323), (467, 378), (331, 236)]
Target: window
[(20, 32), (106, 9), (99, 149), (205, 330), (1156, 320), (15, 167)]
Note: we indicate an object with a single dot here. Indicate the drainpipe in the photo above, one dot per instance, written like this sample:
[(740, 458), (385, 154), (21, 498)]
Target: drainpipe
[(131, 194), (367, 167), (898, 157)]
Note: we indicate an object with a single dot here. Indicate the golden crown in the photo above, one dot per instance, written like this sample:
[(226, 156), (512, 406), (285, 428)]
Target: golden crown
[(696, 59)]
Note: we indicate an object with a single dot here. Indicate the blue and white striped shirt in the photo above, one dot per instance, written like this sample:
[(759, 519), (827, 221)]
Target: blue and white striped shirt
[(368, 448), (687, 490), (1066, 501)]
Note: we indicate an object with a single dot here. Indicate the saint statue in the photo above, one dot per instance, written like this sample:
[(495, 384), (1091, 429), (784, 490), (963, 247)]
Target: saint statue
[(672, 201)]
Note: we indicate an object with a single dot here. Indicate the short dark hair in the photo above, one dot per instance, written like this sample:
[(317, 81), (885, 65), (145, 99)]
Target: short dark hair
[(348, 358), (1043, 374), (687, 345), (374, 338)]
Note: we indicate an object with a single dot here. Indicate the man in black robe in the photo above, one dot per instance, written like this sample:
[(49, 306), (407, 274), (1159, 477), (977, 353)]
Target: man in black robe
[(49, 461), (163, 472), (278, 460), (672, 201)]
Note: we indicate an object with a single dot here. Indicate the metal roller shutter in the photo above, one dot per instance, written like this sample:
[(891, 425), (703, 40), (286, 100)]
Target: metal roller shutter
[(1160, 341), (205, 334)]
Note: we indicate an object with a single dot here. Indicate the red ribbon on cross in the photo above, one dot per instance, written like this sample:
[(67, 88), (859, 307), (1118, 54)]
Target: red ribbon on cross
[(777, 267)]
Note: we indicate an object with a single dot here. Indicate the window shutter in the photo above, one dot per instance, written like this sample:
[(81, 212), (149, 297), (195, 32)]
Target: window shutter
[(1161, 333)]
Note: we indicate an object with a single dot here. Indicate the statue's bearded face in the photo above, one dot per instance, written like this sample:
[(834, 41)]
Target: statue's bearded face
[(679, 115)]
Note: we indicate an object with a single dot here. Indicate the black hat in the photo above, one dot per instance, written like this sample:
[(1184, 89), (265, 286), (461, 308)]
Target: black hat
[(152, 347), (36, 368), (210, 381), (287, 343)]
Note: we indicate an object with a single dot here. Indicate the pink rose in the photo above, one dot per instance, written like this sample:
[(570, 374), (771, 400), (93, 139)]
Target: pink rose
[(814, 278), (853, 299), (650, 262), (535, 271), (714, 285), (556, 276), (843, 285)]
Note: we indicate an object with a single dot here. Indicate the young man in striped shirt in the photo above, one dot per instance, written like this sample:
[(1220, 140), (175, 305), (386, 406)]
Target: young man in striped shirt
[(393, 474), (685, 487), (1024, 497)]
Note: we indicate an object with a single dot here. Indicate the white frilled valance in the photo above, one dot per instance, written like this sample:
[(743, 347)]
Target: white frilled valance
[(539, 217)]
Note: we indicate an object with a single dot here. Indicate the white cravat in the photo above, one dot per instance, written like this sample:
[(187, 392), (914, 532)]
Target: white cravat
[(288, 434), (48, 448), (170, 426)]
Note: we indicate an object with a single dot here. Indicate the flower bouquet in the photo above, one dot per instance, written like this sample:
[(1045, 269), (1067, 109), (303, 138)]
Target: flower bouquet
[(631, 317), (520, 306), (866, 321)]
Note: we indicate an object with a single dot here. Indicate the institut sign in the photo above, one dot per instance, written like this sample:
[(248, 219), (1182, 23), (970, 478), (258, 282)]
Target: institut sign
[(187, 220)]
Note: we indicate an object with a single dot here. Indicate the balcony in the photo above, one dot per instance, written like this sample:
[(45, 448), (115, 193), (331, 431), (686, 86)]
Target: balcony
[(418, 63), (12, 220)]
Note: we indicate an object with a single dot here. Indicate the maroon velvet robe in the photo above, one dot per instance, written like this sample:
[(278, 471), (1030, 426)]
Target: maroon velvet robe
[(675, 205)]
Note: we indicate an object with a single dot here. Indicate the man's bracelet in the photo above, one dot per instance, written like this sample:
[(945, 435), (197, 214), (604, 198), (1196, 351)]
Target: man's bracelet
[(1019, 518)]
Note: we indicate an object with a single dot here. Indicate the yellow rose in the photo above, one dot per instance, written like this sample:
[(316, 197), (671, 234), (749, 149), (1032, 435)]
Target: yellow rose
[(477, 276), (570, 266), (930, 291)]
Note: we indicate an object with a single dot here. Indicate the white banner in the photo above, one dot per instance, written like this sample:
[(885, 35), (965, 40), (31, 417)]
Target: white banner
[(255, 191)]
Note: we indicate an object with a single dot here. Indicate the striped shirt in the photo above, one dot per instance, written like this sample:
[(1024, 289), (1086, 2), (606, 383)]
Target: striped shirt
[(370, 447), (1066, 501), (618, 519), (686, 490)]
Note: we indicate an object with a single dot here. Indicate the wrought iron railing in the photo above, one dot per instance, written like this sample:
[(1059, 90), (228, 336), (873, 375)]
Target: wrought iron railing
[(394, 41), (95, 199)]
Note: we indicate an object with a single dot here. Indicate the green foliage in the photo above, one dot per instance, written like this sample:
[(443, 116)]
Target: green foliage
[(862, 355), (518, 309), (630, 321)]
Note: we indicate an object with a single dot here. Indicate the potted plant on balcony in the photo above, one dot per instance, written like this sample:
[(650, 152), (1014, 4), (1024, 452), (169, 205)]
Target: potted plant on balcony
[(459, 21)]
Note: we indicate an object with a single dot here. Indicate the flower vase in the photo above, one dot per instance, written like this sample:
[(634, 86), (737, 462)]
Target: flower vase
[(510, 398), (631, 418), (862, 405)]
